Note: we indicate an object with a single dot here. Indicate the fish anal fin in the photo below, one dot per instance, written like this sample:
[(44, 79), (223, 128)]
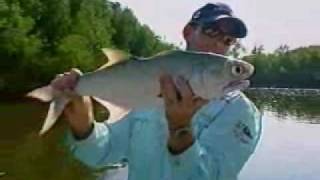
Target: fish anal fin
[(116, 112)]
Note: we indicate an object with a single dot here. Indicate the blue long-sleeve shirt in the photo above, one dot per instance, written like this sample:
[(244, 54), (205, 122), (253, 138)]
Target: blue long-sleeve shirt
[(226, 133)]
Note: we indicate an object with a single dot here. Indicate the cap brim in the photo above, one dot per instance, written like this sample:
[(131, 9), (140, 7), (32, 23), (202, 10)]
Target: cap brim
[(232, 26)]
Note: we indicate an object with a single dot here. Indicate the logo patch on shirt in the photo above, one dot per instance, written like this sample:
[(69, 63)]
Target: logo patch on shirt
[(242, 132)]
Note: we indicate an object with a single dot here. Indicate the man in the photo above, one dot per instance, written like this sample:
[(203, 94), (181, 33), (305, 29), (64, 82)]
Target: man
[(192, 138)]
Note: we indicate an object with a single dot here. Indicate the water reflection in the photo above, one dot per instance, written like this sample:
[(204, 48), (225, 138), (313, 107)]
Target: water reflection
[(23, 155), (288, 150), (288, 104)]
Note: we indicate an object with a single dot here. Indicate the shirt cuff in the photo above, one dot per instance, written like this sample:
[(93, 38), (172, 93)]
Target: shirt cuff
[(99, 129), (187, 159), (91, 149)]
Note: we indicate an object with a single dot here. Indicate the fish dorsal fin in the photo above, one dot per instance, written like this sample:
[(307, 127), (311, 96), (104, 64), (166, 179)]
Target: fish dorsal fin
[(114, 56)]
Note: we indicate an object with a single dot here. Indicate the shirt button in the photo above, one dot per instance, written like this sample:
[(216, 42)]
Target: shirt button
[(177, 163)]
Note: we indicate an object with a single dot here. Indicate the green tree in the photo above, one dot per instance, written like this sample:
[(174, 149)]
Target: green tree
[(40, 38)]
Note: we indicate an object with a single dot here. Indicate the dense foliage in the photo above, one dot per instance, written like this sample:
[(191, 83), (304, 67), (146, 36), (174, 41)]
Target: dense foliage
[(298, 68), (40, 38)]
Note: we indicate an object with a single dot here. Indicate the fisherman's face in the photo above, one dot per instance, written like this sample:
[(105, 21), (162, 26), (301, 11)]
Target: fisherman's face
[(207, 40)]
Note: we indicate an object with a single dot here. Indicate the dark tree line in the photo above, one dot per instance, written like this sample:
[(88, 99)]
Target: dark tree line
[(40, 38), (298, 68)]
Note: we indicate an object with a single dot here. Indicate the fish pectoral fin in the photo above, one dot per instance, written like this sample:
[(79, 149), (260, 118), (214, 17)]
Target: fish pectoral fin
[(116, 112), (55, 110)]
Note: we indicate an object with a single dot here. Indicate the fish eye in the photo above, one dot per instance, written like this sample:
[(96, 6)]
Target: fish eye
[(237, 70)]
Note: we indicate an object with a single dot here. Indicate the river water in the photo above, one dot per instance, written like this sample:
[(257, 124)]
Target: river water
[(289, 148)]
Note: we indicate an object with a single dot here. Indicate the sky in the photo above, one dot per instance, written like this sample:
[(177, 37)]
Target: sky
[(270, 22)]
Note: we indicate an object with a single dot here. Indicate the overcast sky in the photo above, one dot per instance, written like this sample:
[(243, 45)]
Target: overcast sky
[(270, 22)]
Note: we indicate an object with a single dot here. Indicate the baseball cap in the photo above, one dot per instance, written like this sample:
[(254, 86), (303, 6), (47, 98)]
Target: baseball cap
[(220, 15)]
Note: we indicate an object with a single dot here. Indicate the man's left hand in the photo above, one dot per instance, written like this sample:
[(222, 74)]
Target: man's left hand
[(180, 105), (180, 101)]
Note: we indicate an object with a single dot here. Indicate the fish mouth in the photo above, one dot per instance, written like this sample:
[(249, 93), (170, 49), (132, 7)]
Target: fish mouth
[(236, 85)]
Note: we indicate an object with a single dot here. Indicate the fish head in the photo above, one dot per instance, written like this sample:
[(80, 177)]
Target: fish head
[(222, 74), (236, 75)]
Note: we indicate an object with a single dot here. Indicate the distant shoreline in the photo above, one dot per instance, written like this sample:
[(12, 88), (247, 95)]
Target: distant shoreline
[(271, 88), (9, 97), (285, 91)]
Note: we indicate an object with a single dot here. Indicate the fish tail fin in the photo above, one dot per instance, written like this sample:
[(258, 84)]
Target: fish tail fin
[(55, 110), (45, 94)]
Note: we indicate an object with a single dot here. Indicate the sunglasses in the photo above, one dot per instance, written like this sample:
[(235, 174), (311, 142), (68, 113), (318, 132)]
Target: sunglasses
[(218, 34)]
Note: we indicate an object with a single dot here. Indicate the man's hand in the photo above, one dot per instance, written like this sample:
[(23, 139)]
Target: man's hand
[(78, 112), (180, 105)]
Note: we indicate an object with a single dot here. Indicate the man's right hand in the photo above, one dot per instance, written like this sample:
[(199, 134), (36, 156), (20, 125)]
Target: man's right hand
[(78, 113)]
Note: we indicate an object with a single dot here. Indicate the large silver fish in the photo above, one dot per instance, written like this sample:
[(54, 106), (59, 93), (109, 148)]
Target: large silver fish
[(128, 82)]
